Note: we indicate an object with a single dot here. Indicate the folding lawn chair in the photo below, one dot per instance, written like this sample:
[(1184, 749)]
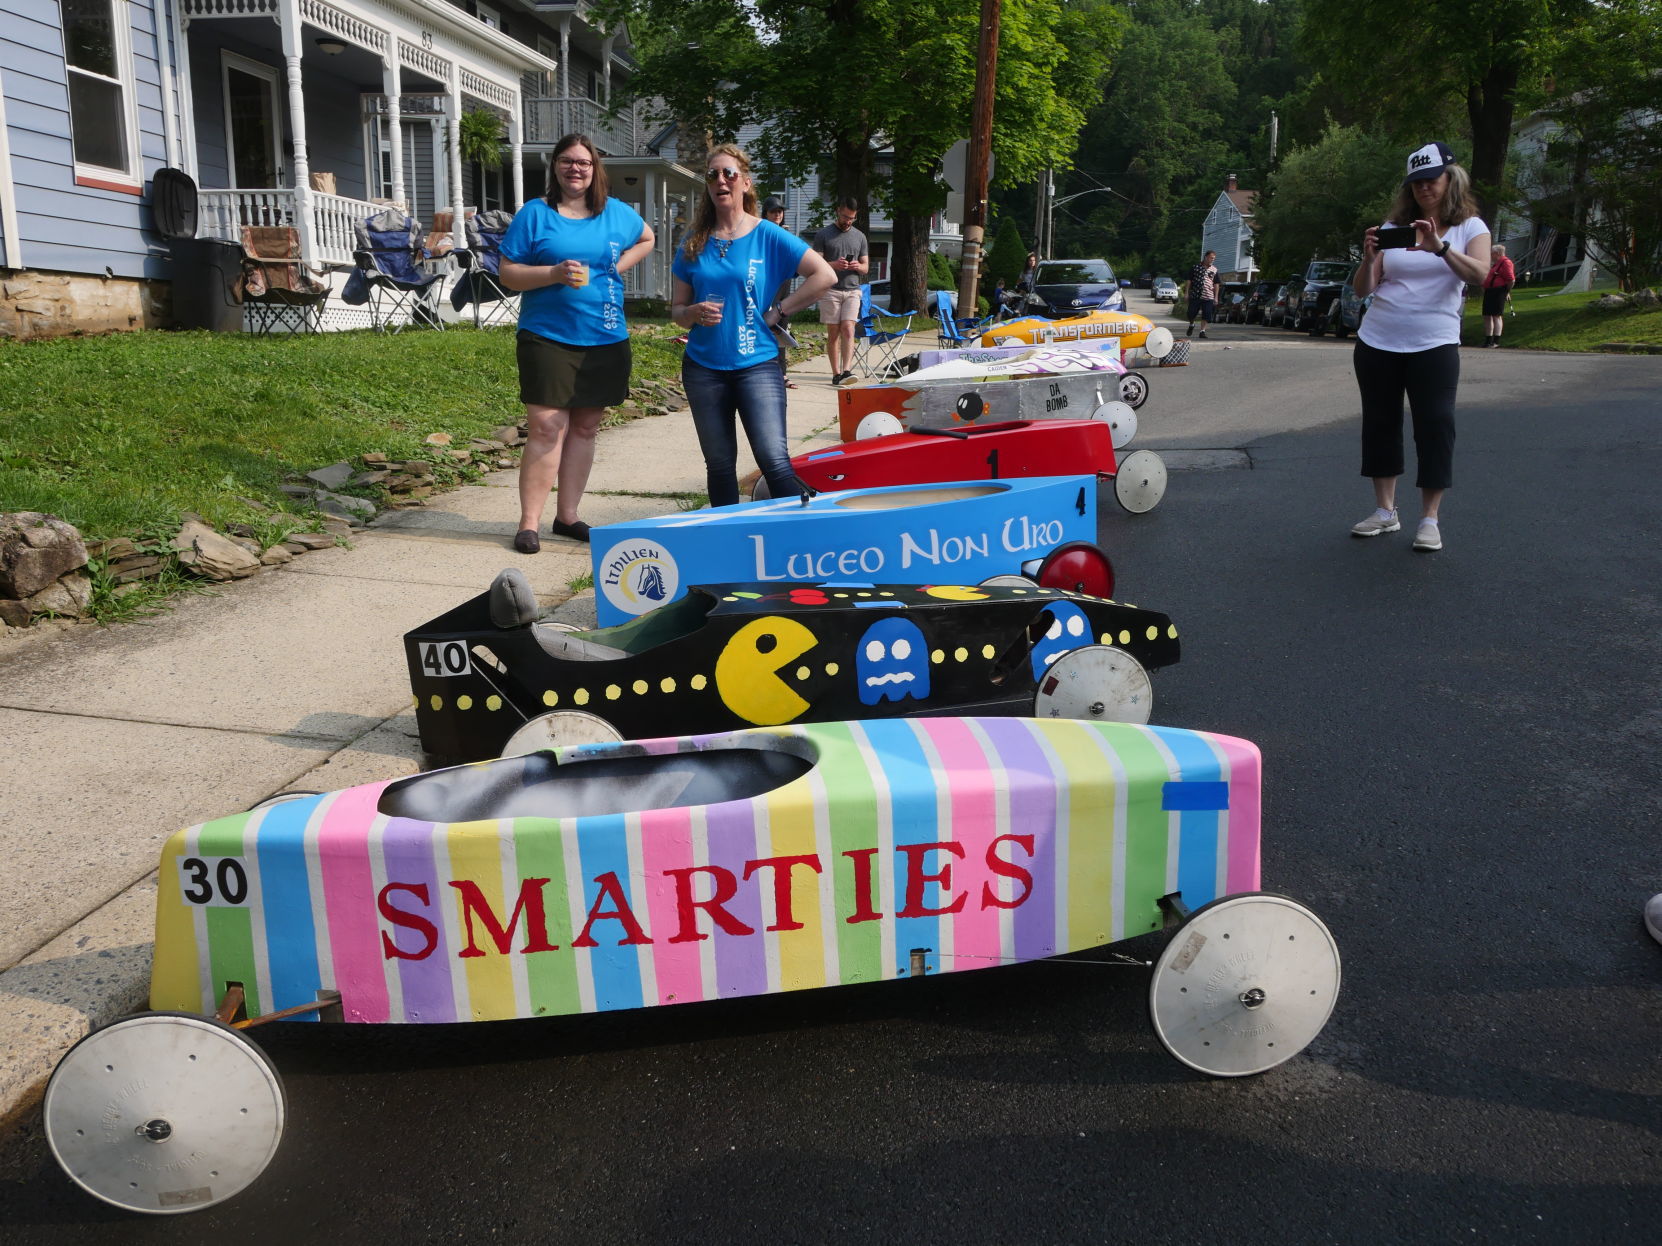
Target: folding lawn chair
[(877, 346), (481, 281), (278, 290), (388, 276), (956, 332)]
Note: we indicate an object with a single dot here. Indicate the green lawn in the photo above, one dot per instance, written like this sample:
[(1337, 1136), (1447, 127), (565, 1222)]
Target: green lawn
[(120, 434), (1565, 322)]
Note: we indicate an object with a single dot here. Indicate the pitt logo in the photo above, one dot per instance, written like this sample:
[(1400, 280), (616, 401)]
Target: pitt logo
[(1419, 160)]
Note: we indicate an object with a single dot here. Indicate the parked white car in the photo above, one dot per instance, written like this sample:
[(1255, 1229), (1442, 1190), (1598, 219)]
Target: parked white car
[(1165, 290)]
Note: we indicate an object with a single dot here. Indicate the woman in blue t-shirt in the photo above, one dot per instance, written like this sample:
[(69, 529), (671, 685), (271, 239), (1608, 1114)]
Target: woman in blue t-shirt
[(725, 276), (568, 252)]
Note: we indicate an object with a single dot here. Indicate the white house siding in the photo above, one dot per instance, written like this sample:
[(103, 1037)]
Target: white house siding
[(63, 227), (1226, 232)]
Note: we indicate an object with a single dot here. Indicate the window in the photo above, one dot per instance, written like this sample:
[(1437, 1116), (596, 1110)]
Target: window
[(98, 57)]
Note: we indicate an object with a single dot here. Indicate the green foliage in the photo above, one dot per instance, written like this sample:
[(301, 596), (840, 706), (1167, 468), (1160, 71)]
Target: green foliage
[(941, 276), (1006, 257), (480, 135), (1567, 322), (1323, 197)]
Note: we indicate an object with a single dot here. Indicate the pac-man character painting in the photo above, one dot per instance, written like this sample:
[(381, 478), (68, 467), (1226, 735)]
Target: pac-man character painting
[(727, 656), (891, 662)]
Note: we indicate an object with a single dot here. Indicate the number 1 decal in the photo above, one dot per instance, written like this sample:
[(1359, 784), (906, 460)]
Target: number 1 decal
[(439, 658)]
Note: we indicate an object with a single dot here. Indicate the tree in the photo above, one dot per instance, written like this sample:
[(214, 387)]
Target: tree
[(1601, 176), (1324, 196), (1007, 256), (1413, 56)]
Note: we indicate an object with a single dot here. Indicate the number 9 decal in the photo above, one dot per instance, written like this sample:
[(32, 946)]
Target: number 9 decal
[(216, 882)]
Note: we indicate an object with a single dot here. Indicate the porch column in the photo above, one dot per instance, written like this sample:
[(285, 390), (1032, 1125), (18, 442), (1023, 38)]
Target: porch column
[(392, 84), (453, 106), (565, 58), (289, 21), (516, 150), (606, 71), (649, 210)]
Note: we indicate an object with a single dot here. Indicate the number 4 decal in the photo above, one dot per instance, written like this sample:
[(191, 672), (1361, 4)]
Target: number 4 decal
[(1079, 502), (444, 657)]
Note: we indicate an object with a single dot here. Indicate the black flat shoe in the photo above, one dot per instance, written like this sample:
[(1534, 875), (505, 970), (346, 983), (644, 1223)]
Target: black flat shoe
[(577, 530), (526, 541)]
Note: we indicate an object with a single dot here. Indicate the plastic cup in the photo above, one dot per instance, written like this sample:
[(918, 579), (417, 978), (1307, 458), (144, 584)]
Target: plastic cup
[(718, 302), (580, 278)]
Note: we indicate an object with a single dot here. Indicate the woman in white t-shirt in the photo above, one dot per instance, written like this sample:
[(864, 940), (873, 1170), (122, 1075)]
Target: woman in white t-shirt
[(1409, 343)]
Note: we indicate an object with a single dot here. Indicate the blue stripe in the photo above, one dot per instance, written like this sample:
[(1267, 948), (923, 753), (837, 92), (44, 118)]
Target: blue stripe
[(602, 847), (1197, 797), (912, 785), (286, 893)]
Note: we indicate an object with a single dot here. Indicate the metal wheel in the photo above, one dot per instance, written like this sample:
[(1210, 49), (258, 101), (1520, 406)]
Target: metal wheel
[(1121, 419), (281, 798), (1133, 389), (1246, 983), (1077, 567), (878, 424), (1097, 683), (1158, 343), (1140, 481), (560, 729), (759, 491), (1008, 581), (164, 1112)]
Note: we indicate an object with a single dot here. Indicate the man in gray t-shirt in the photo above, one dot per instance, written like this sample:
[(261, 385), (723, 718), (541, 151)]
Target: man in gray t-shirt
[(844, 247)]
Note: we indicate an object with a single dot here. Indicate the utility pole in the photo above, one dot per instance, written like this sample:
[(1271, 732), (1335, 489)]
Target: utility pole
[(980, 148)]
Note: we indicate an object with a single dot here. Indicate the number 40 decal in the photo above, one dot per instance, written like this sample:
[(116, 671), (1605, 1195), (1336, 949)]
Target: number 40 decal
[(443, 657), (217, 882)]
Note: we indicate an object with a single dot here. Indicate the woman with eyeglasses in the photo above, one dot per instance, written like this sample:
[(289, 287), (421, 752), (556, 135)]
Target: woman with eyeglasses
[(725, 275), (568, 252)]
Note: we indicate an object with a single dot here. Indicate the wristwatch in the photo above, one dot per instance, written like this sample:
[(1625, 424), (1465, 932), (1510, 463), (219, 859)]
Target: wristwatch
[(1443, 250)]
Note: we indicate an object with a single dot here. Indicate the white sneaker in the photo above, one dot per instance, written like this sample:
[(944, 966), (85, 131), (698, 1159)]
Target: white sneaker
[(1377, 524), (1429, 537), (1653, 917)]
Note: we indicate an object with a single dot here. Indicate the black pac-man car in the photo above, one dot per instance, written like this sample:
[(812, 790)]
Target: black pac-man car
[(489, 677)]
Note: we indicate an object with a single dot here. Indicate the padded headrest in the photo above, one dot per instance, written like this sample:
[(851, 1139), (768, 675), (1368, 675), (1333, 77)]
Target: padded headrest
[(512, 603)]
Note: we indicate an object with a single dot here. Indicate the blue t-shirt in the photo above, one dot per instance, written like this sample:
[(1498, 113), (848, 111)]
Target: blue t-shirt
[(746, 276), (590, 315)]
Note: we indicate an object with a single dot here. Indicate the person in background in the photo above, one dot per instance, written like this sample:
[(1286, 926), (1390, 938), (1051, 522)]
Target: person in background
[(1029, 273), (773, 211), (1497, 288), (1409, 343), (844, 248), (724, 278), (567, 252), (1203, 292)]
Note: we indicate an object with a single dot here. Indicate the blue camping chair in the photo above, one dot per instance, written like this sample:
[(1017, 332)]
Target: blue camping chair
[(481, 280), (877, 338), (388, 276), (956, 332)]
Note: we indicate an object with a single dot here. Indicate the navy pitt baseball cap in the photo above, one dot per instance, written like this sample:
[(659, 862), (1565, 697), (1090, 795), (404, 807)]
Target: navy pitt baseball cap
[(1428, 162)]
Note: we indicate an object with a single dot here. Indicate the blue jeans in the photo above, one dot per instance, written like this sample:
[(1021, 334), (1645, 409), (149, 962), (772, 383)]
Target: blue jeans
[(757, 393)]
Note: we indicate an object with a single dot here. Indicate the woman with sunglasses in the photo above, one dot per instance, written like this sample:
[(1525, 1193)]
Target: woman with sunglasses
[(568, 252), (725, 276)]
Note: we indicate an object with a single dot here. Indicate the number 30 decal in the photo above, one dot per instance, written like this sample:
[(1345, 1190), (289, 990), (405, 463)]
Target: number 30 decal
[(443, 657), (217, 882)]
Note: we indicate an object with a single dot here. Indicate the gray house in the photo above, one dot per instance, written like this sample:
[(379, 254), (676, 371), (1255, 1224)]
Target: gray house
[(307, 113), (1228, 231)]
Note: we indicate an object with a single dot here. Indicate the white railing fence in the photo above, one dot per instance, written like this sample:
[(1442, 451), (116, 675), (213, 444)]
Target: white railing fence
[(222, 213)]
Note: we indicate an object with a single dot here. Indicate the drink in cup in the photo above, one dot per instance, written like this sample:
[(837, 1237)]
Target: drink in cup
[(718, 302), (580, 278)]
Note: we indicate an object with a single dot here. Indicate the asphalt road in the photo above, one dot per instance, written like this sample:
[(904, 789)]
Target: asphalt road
[(1461, 777)]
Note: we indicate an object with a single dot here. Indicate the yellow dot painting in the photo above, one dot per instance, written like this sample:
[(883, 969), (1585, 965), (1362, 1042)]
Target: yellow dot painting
[(464, 703), (831, 668), (698, 683), (493, 702), (551, 698), (640, 686), (667, 684), (960, 654), (580, 697), (987, 652), (937, 657), (613, 692), (437, 702), (802, 672)]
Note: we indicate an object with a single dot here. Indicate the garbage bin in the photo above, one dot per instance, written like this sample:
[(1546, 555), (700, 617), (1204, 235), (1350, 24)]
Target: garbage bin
[(206, 295)]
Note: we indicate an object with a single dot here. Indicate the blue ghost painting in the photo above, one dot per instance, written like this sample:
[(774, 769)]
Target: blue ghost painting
[(1069, 628), (892, 663)]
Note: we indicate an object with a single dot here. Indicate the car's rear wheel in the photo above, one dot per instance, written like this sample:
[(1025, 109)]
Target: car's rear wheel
[(560, 729)]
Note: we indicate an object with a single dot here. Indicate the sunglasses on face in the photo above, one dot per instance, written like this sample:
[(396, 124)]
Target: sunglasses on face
[(731, 175)]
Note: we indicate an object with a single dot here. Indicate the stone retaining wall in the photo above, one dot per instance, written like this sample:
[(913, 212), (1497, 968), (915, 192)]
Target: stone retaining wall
[(41, 304)]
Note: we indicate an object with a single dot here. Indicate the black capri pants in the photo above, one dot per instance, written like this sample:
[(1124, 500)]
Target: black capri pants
[(1429, 378)]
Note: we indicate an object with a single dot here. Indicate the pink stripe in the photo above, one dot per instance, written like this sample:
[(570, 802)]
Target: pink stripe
[(666, 844), (972, 822), (349, 899), (1245, 769)]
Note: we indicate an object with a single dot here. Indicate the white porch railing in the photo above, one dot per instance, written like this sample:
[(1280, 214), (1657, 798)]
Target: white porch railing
[(224, 212), (548, 119)]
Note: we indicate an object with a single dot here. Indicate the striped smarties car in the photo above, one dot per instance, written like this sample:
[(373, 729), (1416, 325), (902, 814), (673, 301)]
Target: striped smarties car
[(489, 678), (631, 875)]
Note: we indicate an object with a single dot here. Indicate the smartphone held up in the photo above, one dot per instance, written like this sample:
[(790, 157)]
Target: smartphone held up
[(1392, 237)]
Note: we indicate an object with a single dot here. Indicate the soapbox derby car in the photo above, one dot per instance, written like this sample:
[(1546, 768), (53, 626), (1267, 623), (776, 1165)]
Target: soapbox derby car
[(1098, 354), (630, 875), (984, 452), (1139, 337), (955, 533), (488, 678)]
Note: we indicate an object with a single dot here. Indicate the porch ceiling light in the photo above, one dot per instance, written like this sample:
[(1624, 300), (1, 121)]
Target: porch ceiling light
[(330, 46)]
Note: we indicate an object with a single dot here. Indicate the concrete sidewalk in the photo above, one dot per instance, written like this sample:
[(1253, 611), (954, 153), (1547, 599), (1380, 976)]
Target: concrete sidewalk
[(115, 738)]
